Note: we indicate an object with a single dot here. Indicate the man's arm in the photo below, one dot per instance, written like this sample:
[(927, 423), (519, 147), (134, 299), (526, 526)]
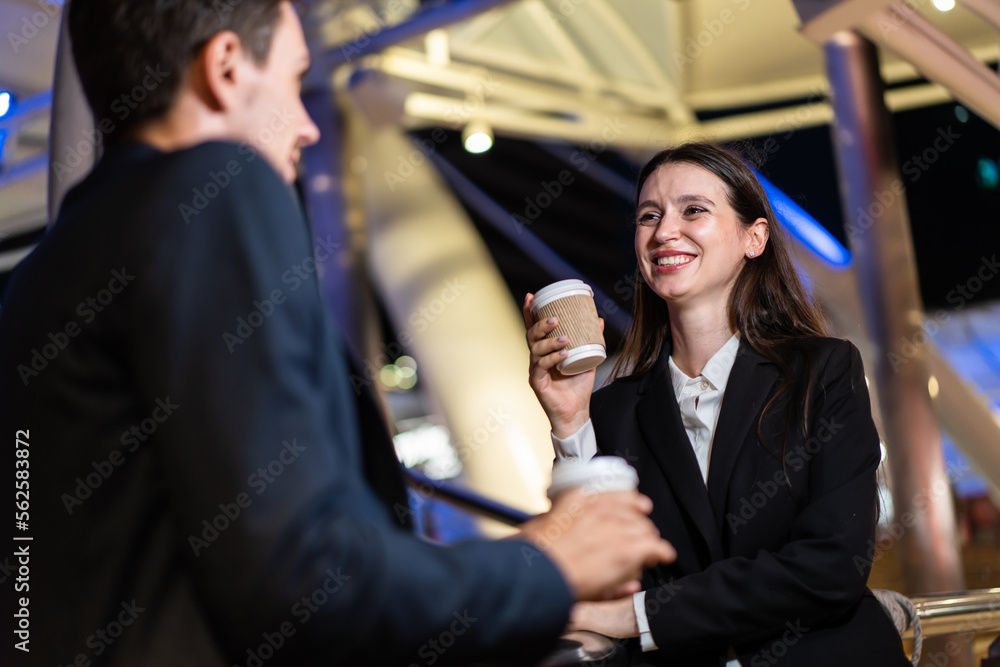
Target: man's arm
[(262, 463), (261, 457)]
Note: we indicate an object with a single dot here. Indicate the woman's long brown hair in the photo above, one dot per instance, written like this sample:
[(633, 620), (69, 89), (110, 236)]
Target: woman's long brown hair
[(769, 306)]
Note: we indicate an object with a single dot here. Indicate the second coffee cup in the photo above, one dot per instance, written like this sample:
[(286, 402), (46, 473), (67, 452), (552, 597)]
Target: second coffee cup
[(598, 475)]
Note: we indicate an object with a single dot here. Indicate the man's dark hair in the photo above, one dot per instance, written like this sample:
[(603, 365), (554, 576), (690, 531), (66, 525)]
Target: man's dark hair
[(132, 55)]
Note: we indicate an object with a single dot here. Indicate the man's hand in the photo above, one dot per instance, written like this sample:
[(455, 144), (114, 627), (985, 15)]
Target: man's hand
[(600, 542)]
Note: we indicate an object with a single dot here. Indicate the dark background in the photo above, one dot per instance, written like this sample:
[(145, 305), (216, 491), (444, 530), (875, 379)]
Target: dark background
[(953, 209)]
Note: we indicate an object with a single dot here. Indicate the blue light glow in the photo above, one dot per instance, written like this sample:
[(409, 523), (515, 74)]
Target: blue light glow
[(5, 102), (804, 227), (987, 174)]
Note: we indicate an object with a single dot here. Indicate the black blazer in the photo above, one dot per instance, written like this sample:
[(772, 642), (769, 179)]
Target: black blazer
[(207, 487), (777, 570)]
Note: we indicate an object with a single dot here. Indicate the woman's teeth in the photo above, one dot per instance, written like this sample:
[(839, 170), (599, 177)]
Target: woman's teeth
[(673, 260)]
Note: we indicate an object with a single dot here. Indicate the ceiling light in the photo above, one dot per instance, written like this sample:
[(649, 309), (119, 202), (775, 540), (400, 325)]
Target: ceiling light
[(945, 5), (437, 48), (477, 137)]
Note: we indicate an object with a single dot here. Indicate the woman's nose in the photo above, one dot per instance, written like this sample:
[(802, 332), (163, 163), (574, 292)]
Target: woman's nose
[(667, 230)]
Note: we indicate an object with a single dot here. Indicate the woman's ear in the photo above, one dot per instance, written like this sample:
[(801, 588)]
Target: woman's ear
[(221, 68), (757, 234)]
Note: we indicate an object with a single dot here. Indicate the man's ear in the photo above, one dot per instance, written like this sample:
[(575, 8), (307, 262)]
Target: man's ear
[(221, 69)]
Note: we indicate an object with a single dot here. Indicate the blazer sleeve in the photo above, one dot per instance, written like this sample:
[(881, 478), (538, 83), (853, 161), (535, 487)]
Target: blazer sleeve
[(261, 460), (823, 568)]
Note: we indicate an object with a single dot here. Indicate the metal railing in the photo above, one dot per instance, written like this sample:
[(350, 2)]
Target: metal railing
[(976, 611), (957, 612), (465, 499)]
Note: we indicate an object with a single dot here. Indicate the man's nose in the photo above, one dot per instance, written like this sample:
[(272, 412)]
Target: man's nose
[(309, 133)]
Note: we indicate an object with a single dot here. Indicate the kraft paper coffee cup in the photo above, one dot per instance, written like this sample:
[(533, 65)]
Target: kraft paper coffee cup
[(598, 475), (572, 301)]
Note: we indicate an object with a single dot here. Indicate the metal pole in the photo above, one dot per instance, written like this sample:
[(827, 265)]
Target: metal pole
[(873, 193), (74, 144), (324, 199)]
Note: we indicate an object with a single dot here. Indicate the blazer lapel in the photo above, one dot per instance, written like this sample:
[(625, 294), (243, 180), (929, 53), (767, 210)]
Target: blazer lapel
[(747, 390), (660, 423)]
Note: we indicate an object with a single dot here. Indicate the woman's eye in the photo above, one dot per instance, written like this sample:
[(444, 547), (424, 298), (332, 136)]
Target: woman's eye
[(693, 210), (647, 219)]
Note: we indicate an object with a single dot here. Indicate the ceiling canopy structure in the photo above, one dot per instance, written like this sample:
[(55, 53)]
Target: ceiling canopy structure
[(632, 72)]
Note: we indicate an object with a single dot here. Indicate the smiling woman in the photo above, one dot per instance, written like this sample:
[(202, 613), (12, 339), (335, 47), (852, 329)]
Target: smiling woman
[(728, 395), (711, 198)]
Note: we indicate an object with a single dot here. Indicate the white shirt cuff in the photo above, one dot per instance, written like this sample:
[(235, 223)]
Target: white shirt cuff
[(645, 636), (581, 446)]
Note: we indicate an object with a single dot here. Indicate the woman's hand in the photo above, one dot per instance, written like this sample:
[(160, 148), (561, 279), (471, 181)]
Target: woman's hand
[(615, 618), (565, 398)]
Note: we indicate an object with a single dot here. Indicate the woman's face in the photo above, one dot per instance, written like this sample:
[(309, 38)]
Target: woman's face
[(688, 240)]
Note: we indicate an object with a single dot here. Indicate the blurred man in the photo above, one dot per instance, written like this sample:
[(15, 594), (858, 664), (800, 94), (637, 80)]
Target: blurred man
[(205, 487)]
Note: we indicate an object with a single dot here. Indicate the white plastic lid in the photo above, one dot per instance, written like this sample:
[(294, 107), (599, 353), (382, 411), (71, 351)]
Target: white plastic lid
[(600, 474), (582, 358), (558, 290)]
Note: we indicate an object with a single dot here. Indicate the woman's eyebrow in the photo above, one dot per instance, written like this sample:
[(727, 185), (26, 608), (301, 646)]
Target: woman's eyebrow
[(694, 199)]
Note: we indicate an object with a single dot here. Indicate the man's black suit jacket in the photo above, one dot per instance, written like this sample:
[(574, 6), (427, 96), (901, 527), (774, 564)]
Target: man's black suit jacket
[(776, 570), (206, 487)]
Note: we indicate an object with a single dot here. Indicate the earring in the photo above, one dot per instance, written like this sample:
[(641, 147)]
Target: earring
[(751, 253)]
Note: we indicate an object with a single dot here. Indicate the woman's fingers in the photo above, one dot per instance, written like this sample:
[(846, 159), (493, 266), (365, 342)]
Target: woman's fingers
[(541, 329), (529, 320), (546, 353), (543, 346), (545, 361)]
